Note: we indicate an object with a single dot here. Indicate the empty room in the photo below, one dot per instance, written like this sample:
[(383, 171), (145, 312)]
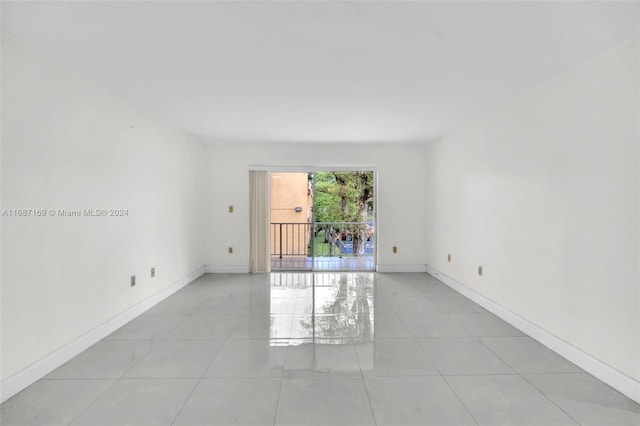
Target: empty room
[(320, 213)]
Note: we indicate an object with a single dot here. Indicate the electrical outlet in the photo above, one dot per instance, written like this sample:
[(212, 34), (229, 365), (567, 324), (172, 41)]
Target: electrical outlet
[(133, 280), (480, 270), (153, 272), (230, 209), (449, 257), (395, 249), (230, 250)]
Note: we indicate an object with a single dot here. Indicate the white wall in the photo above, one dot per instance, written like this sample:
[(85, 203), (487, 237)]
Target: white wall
[(544, 194), (400, 207), (68, 144)]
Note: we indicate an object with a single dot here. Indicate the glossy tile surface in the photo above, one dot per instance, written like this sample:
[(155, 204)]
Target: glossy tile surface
[(138, 402), (587, 399), (324, 401), (506, 400), (248, 358), (108, 359), (460, 356), (394, 357), (416, 401), (318, 349), (52, 402), (231, 401), (526, 355), (176, 359)]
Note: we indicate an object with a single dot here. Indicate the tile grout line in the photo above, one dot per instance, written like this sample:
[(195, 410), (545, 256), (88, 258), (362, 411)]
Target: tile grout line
[(479, 339), (525, 379), (460, 400), (204, 371), (284, 363), (114, 380), (366, 389), (549, 399), (92, 402), (117, 379), (447, 382)]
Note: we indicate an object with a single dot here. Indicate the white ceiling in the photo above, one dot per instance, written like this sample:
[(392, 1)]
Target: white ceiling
[(385, 71)]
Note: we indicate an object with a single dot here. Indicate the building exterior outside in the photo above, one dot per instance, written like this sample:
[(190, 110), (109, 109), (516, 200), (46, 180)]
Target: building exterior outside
[(291, 206)]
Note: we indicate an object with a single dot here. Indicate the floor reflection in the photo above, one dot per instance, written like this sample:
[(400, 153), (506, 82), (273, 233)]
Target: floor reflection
[(321, 318), (324, 308)]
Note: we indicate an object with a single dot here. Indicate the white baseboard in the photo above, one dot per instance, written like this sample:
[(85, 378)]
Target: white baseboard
[(609, 375), (29, 375), (401, 268), (227, 269)]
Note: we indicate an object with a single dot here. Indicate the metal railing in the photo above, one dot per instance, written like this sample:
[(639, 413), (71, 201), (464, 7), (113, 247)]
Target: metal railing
[(329, 239), (290, 239)]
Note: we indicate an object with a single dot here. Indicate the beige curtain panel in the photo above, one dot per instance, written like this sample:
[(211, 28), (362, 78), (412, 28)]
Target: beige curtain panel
[(260, 207)]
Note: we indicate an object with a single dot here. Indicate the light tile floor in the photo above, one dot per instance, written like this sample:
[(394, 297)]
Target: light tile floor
[(318, 349)]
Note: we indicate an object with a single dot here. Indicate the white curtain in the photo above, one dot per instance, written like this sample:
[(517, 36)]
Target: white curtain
[(260, 210)]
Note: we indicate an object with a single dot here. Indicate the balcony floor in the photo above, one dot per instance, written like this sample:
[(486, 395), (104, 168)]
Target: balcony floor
[(323, 263)]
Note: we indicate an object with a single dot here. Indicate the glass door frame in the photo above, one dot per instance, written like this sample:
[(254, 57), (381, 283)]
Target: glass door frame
[(314, 169)]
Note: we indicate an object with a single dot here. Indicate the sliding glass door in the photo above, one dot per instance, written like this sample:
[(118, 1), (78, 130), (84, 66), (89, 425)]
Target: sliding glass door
[(323, 221)]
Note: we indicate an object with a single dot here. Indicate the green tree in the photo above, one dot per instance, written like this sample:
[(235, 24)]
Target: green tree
[(345, 197), (327, 199)]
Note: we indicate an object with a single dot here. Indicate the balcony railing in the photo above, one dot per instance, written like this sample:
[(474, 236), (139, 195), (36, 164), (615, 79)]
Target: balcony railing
[(339, 239), (290, 239)]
